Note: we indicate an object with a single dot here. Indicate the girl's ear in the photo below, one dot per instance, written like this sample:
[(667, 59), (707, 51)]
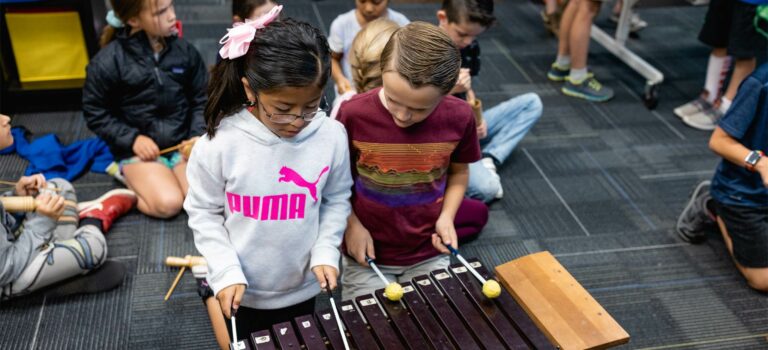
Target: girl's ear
[(248, 91), (133, 22)]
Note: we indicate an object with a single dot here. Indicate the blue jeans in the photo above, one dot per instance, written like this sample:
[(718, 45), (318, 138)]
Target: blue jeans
[(507, 123)]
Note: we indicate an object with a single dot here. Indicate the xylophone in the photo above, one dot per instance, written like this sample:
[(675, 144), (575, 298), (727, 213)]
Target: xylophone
[(444, 310)]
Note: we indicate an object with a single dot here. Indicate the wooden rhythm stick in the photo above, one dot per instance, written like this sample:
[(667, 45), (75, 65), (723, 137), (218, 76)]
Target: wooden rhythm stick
[(393, 290), (491, 288), (19, 204), (186, 149), (187, 261)]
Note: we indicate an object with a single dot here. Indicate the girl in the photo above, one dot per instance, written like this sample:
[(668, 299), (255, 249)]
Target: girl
[(144, 92), (270, 182)]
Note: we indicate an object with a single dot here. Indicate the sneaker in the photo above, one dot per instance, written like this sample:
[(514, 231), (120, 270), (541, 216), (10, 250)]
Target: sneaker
[(636, 23), (696, 218), (590, 89), (108, 207), (488, 163), (704, 120), (694, 107), (556, 73)]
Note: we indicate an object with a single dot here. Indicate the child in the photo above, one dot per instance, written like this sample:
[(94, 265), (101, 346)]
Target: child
[(55, 243), (364, 58), (410, 144), (145, 92), (250, 9), (501, 127), (343, 31), (270, 182), (572, 50), (728, 29), (739, 188)]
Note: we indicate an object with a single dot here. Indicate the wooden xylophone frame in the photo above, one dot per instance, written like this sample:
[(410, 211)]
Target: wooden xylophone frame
[(445, 310)]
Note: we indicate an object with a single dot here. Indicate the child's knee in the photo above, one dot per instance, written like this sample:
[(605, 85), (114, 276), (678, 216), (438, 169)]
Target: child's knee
[(167, 206), (759, 281)]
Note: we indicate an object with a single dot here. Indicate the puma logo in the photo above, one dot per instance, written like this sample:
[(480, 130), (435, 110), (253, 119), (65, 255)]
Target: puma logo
[(290, 175)]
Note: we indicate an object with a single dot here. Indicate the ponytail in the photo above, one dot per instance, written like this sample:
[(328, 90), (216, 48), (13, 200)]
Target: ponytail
[(107, 35), (226, 94)]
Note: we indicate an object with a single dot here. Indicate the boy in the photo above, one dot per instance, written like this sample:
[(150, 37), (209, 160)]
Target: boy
[(343, 31), (572, 50), (739, 189), (410, 145), (728, 29), (55, 243), (502, 126)]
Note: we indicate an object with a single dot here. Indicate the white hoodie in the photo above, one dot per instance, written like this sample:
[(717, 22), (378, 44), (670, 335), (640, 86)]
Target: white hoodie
[(265, 210)]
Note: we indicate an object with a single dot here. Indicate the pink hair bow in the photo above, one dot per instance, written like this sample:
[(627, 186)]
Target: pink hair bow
[(238, 37)]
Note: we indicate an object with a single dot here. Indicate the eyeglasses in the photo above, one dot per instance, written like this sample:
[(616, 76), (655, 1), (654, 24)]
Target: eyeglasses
[(287, 118)]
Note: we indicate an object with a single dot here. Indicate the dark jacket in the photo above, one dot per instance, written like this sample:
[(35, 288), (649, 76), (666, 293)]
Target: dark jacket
[(129, 93), (470, 58)]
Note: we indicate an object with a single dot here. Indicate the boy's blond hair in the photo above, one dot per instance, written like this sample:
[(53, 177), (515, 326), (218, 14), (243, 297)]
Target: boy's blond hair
[(366, 51), (423, 55)]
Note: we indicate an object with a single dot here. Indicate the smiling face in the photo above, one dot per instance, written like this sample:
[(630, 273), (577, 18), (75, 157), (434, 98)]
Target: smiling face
[(407, 105), (463, 33), (287, 100), (157, 18), (6, 138)]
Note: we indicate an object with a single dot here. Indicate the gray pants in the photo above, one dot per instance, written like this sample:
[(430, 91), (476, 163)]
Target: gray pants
[(71, 251), (357, 280)]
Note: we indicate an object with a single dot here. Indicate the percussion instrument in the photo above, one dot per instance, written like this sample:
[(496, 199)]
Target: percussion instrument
[(443, 310), (19, 204)]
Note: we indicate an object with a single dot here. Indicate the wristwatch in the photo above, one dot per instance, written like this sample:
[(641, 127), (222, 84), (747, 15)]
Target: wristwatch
[(752, 159)]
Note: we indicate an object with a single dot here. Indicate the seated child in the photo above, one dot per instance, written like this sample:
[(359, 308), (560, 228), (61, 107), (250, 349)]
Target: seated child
[(343, 31), (55, 243), (410, 146), (243, 10)]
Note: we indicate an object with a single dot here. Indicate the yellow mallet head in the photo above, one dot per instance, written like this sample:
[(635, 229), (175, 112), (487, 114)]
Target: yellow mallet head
[(393, 291), (491, 289)]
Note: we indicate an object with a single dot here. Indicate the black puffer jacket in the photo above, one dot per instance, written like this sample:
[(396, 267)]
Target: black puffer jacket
[(129, 93)]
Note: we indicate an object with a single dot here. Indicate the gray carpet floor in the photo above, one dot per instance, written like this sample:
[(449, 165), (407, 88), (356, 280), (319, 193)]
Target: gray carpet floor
[(598, 185)]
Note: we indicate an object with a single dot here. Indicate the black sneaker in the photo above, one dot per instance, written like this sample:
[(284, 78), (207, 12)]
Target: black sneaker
[(695, 219)]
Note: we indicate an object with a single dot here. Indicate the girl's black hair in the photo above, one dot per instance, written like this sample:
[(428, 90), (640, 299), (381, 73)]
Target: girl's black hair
[(287, 53)]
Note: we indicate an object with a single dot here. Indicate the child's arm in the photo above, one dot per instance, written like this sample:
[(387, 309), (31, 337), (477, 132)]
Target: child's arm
[(337, 73), (97, 104), (334, 210), (205, 206), (14, 256), (458, 177), (196, 94), (733, 151)]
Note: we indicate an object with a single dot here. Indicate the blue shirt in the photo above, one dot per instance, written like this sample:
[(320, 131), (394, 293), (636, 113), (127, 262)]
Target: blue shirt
[(747, 122)]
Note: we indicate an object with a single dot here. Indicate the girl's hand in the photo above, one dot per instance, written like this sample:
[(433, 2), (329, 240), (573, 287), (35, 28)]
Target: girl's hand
[(145, 148), (326, 276), (229, 298), (186, 147), (49, 205), (359, 242), (445, 235), (30, 185)]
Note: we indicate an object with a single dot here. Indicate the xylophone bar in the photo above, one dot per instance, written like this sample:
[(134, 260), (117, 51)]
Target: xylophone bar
[(331, 329), (262, 340), (378, 322), (285, 336), (460, 335), (424, 319), (472, 318), (240, 345), (356, 326), (402, 322), (310, 334), (515, 313), (496, 319)]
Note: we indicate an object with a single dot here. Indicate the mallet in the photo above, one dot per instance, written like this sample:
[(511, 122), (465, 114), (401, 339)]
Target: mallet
[(338, 319), (491, 288), (393, 290)]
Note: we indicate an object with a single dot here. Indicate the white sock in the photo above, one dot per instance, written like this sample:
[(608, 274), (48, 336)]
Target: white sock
[(577, 76), (717, 70), (725, 104), (563, 61)]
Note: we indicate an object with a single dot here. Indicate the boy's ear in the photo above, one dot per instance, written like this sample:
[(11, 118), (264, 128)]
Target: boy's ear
[(442, 17), (236, 18)]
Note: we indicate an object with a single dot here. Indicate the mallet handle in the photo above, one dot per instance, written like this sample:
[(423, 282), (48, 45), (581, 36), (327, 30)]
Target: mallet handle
[(466, 263)]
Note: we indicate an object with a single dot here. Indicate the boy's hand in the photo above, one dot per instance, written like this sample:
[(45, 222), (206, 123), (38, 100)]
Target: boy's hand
[(326, 276), (30, 185), (359, 242), (229, 298), (145, 148), (762, 168), (49, 205), (464, 83), (445, 235), (482, 130), (343, 85)]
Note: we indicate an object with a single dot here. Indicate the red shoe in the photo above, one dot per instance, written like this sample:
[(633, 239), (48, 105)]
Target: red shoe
[(108, 207)]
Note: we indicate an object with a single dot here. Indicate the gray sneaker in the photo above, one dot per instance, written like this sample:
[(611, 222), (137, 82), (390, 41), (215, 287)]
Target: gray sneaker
[(704, 120), (694, 107), (695, 219), (590, 89)]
